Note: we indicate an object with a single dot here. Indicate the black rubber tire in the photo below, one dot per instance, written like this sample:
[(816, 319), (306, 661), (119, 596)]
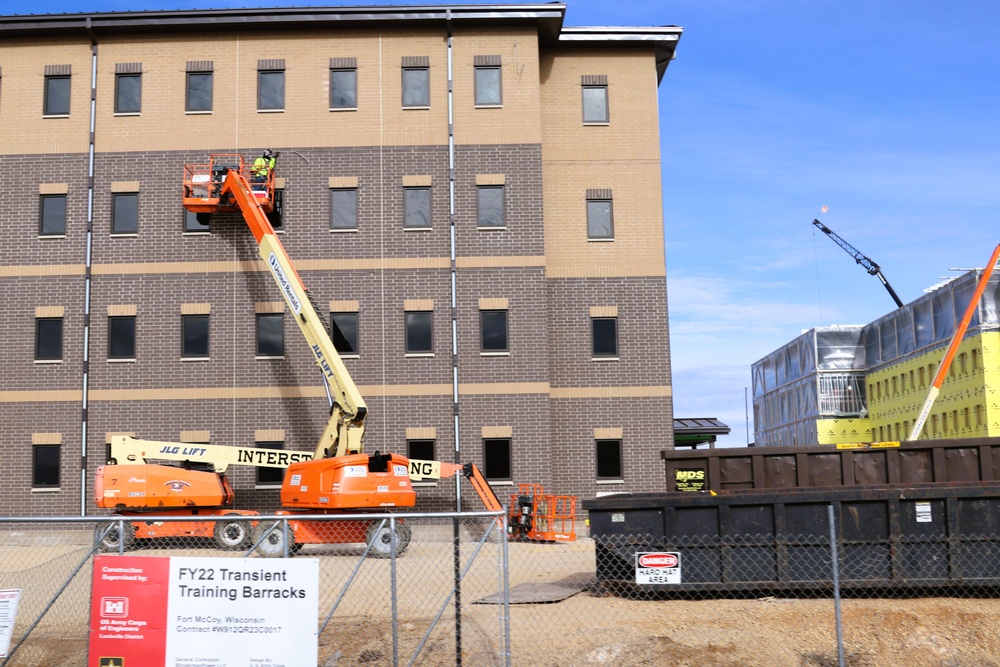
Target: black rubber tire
[(109, 530), (382, 541), (273, 546), (233, 535)]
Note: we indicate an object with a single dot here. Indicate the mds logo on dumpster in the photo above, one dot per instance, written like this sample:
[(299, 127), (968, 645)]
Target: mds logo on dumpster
[(658, 568)]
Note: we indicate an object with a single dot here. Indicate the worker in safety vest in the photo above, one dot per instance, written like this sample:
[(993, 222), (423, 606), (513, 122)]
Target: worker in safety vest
[(262, 166)]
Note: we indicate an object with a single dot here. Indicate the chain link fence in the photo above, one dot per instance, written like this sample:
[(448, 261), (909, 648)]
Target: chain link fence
[(447, 590)]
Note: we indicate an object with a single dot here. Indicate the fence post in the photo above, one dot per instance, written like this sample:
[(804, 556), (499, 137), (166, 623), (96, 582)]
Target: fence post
[(835, 561)]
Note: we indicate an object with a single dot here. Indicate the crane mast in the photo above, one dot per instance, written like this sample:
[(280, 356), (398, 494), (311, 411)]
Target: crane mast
[(866, 262)]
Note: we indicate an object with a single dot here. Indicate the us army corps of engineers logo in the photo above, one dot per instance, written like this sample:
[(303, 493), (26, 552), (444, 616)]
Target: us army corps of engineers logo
[(111, 662)]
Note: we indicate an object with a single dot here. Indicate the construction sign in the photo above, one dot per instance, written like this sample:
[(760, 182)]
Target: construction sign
[(187, 612)]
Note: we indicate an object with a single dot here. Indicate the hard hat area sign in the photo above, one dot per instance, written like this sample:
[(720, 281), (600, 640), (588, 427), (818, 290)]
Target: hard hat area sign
[(658, 567)]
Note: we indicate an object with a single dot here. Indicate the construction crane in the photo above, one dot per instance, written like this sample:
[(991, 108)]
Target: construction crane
[(871, 267)]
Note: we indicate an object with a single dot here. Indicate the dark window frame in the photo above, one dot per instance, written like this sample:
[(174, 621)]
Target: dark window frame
[(597, 337), (334, 209), (41, 471), (207, 91), (273, 354), (120, 107), (114, 320), (191, 224), (267, 477), (424, 100), (415, 318), (58, 334), (595, 224), (186, 345), (484, 348), (480, 208), (601, 465), (410, 213), (490, 461), (49, 95), (340, 339), (605, 119), (116, 224), (413, 445), (335, 71), (480, 85), (262, 75), (42, 207)]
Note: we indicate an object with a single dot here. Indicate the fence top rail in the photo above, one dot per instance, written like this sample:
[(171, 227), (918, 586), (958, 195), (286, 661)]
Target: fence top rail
[(254, 517)]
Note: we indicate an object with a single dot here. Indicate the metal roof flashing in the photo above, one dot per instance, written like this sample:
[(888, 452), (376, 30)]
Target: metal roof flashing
[(662, 39)]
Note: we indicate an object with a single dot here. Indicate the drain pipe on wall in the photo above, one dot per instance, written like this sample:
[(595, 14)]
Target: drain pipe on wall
[(87, 275)]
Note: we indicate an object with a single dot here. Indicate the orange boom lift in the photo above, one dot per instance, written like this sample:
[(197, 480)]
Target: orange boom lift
[(337, 478)]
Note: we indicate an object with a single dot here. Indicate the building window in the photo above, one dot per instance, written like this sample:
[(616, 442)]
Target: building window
[(128, 88), (121, 337), (199, 89), (493, 330), (497, 464), (194, 336), (487, 81), (491, 211), (604, 332), (192, 224), (343, 209), (125, 213), (345, 333), (416, 81), (271, 85), (56, 101), (600, 218), (595, 99), (45, 466), (343, 83), (270, 334), (608, 459), (48, 338), (277, 215), (417, 207), (421, 450), (52, 215), (419, 332), (270, 476)]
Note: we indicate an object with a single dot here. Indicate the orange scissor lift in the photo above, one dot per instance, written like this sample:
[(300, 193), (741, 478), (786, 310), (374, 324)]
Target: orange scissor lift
[(536, 515)]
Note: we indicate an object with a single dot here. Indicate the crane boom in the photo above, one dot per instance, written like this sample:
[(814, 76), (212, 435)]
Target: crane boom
[(866, 262)]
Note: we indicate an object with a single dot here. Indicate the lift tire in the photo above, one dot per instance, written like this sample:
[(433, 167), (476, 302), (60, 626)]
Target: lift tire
[(233, 535), (382, 540), (107, 537), (273, 546)]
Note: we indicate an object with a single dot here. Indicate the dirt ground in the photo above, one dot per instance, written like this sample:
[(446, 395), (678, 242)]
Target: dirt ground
[(590, 627)]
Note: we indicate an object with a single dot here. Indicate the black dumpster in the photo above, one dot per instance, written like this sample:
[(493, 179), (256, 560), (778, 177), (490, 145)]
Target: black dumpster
[(889, 537), (852, 464)]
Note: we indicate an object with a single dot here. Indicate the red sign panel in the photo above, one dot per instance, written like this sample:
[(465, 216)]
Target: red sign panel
[(128, 611)]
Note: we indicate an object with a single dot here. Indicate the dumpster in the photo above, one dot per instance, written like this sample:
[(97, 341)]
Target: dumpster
[(852, 464), (888, 537)]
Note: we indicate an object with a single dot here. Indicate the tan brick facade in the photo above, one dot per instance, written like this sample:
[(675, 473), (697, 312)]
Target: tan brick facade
[(545, 393)]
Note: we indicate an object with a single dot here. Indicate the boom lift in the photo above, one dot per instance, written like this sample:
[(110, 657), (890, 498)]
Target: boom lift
[(871, 267), (338, 477)]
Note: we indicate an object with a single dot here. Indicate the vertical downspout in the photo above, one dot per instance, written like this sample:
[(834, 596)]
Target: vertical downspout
[(88, 264), (454, 345), (454, 287)]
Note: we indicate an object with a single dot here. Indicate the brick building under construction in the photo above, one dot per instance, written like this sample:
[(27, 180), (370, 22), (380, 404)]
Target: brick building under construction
[(474, 192)]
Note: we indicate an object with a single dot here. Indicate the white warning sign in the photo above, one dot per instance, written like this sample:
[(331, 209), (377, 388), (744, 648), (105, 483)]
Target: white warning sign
[(658, 568)]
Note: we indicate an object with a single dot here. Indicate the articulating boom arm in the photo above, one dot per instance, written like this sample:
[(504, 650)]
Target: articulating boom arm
[(871, 267), (345, 430)]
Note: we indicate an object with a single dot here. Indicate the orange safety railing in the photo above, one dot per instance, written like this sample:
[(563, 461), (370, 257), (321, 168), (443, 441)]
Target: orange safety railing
[(535, 515), (203, 184)]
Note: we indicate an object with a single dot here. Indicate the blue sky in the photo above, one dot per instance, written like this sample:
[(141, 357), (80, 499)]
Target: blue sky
[(887, 112)]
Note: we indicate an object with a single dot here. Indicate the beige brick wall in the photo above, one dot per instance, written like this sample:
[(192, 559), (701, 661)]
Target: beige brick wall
[(24, 128), (623, 156)]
